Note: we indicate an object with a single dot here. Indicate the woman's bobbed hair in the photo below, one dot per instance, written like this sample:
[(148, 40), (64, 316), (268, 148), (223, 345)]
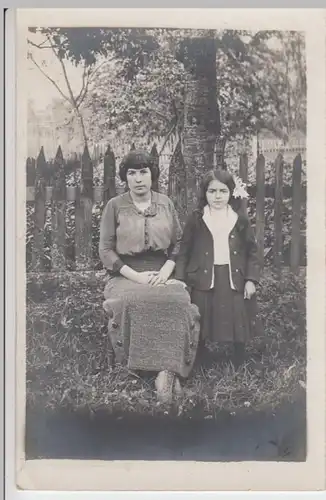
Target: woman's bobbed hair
[(138, 159), (217, 175)]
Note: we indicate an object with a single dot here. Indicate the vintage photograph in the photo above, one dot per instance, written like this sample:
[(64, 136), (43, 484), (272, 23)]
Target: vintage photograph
[(166, 179)]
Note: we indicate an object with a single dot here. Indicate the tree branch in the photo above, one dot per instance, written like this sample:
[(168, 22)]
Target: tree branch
[(160, 114), (83, 84), (91, 75), (175, 109), (170, 132), (66, 98), (82, 96), (39, 46), (99, 67), (243, 72), (72, 98)]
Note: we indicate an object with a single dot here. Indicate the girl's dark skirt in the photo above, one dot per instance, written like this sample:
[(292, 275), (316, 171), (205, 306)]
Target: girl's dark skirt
[(226, 316)]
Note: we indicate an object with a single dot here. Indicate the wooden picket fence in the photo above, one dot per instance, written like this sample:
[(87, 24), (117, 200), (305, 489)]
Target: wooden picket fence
[(46, 183)]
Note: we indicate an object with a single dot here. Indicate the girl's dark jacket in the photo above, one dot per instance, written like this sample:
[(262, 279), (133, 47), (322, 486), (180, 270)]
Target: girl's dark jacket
[(195, 261)]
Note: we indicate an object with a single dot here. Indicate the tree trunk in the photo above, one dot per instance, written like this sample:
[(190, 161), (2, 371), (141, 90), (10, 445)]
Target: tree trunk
[(201, 118), (82, 125)]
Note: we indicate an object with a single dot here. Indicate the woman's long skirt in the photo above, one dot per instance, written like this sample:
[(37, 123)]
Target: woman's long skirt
[(226, 316), (151, 328)]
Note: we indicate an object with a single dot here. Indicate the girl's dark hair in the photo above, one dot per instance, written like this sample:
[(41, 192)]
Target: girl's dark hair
[(217, 175), (137, 159)]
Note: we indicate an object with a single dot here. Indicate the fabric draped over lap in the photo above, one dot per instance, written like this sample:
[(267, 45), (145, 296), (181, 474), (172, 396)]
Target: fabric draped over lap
[(152, 328)]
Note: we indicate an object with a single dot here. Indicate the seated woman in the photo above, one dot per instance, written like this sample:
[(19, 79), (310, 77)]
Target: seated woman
[(152, 324)]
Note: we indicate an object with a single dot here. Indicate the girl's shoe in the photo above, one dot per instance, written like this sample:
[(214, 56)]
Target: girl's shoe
[(164, 384)]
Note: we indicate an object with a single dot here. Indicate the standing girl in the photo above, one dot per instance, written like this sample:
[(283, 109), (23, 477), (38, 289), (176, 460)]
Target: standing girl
[(218, 260)]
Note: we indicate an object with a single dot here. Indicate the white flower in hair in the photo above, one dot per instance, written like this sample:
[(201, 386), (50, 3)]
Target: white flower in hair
[(240, 188)]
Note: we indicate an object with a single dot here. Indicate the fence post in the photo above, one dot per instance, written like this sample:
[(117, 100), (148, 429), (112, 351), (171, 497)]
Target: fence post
[(155, 156), (109, 175), (39, 213), (278, 210), (84, 206), (296, 205), (30, 172), (58, 211), (260, 207), (243, 172)]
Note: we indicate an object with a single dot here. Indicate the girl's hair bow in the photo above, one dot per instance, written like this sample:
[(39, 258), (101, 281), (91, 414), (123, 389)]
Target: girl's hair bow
[(239, 190)]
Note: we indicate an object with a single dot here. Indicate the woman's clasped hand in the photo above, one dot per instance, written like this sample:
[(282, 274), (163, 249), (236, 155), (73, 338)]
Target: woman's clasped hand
[(155, 278)]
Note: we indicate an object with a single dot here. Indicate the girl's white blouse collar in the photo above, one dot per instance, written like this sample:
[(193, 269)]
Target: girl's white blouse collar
[(228, 215)]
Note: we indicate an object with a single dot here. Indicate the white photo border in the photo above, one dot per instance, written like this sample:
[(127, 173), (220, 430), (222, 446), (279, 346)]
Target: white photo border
[(182, 476)]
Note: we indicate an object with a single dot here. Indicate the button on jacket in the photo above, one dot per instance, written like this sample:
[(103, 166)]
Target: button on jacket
[(195, 261)]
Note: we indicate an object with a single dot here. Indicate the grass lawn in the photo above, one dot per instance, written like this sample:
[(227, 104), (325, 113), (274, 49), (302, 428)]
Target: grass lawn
[(68, 365)]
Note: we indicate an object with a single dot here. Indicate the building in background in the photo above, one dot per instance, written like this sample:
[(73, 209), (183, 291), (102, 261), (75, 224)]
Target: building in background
[(267, 144)]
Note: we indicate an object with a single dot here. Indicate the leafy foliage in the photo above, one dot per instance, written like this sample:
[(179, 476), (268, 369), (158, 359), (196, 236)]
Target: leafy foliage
[(79, 44), (257, 87), (145, 109), (260, 79)]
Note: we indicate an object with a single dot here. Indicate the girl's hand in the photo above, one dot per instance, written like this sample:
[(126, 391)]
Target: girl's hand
[(250, 289)]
